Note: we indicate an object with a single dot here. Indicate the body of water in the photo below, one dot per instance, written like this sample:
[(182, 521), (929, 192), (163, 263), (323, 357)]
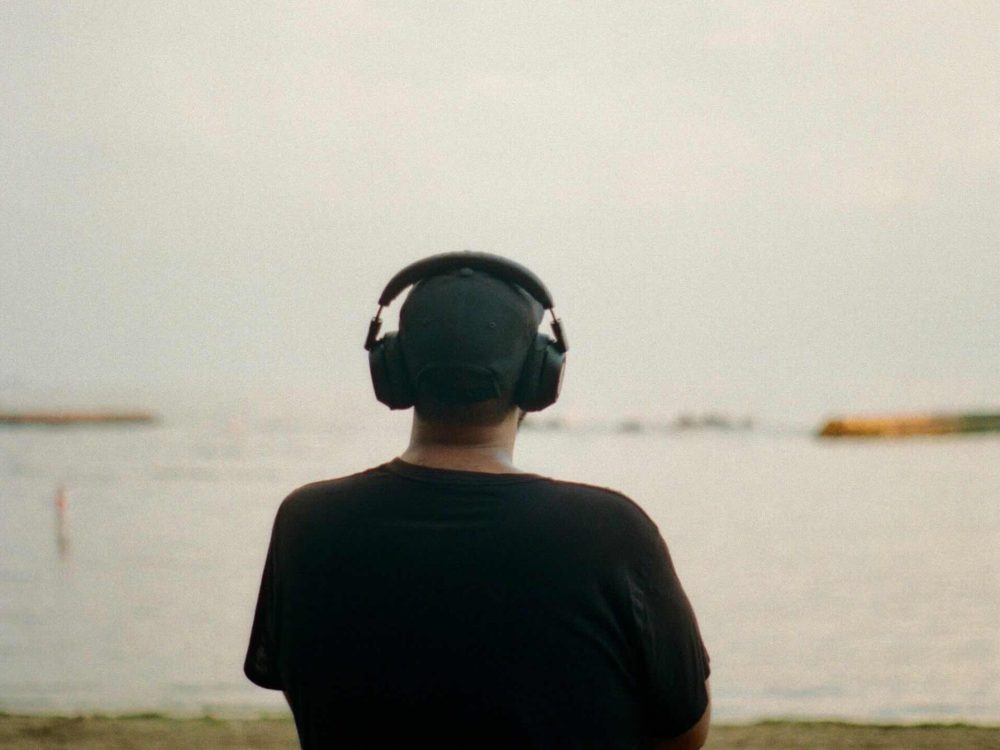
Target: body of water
[(857, 580)]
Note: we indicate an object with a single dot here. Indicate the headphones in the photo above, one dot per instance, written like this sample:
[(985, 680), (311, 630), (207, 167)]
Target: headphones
[(541, 375)]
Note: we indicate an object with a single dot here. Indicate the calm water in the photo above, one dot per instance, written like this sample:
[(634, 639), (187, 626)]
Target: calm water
[(857, 580)]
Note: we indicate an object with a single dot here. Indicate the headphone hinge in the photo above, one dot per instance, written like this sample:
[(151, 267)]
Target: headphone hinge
[(373, 328), (560, 334)]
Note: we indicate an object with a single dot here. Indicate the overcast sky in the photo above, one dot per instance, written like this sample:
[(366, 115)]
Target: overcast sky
[(750, 206)]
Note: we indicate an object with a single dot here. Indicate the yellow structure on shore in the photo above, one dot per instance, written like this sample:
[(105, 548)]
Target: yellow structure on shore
[(909, 426)]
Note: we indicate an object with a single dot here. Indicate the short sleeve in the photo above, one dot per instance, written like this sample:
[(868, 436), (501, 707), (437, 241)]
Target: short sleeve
[(261, 665), (675, 661)]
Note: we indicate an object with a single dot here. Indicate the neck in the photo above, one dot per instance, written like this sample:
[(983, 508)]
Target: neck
[(483, 448)]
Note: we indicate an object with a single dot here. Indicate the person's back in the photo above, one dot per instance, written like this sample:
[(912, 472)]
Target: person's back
[(447, 598)]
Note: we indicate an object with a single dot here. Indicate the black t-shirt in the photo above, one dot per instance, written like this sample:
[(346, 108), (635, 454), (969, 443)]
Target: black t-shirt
[(464, 609)]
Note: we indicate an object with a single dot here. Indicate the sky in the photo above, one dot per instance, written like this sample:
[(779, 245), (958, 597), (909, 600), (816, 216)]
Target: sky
[(777, 208)]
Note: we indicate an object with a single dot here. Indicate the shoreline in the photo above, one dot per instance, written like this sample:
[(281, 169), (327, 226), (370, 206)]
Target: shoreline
[(273, 731)]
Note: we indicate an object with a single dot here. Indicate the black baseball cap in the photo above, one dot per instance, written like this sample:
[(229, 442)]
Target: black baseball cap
[(465, 335)]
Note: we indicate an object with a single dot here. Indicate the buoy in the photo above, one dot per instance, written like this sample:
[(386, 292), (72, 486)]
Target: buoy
[(61, 506)]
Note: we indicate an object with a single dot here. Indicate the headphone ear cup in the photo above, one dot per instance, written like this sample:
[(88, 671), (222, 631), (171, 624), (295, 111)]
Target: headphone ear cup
[(541, 378), (388, 371)]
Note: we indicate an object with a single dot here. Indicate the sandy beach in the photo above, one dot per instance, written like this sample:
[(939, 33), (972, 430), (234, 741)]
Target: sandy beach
[(162, 733)]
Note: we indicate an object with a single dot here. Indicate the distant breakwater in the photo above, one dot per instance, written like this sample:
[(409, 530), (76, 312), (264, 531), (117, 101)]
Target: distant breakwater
[(68, 418)]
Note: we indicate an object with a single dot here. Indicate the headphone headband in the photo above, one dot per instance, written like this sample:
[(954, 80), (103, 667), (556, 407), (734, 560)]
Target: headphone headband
[(494, 265)]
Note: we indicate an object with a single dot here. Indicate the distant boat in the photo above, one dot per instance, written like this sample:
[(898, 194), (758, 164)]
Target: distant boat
[(907, 426), (62, 418)]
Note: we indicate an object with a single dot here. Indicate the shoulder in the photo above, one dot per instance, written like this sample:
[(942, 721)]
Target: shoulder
[(611, 511), (601, 498), (309, 498)]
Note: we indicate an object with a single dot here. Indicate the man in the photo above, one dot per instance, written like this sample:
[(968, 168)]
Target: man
[(447, 598)]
